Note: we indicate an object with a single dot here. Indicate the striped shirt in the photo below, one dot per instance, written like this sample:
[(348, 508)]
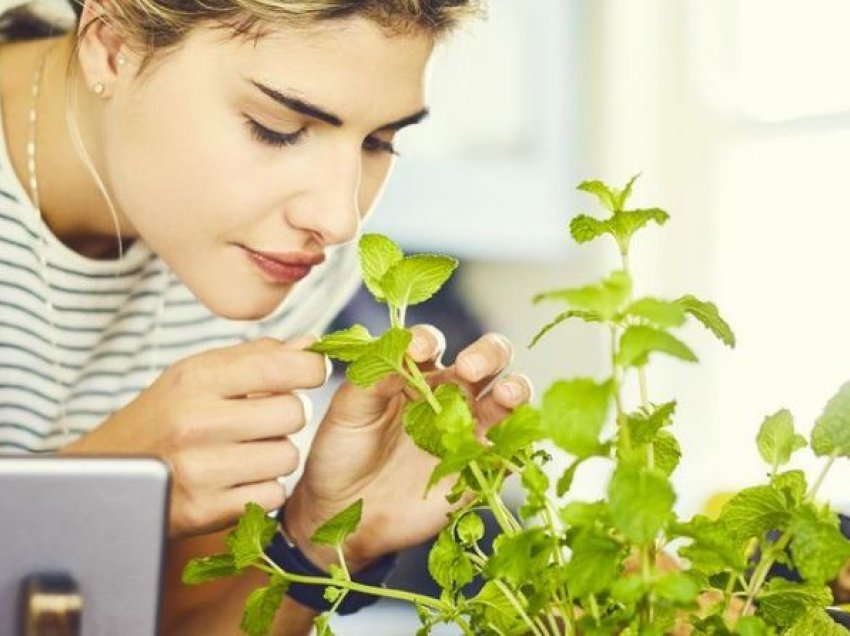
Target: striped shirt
[(115, 325)]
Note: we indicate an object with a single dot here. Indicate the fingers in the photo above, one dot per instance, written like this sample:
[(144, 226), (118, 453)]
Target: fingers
[(261, 418), (427, 347), (483, 360), (507, 394), (262, 366), (211, 468)]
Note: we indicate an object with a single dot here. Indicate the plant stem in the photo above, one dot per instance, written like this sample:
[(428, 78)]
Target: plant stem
[(401, 595), (419, 382), (518, 607), (503, 516), (770, 555)]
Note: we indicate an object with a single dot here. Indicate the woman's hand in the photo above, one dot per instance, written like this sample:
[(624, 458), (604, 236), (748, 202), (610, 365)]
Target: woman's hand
[(362, 451), (224, 448)]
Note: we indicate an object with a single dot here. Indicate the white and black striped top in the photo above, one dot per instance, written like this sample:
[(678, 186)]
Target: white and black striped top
[(106, 315)]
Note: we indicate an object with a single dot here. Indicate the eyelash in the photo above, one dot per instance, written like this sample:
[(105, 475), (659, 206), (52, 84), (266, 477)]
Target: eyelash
[(280, 140)]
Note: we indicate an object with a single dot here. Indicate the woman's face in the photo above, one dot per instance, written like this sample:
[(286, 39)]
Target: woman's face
[(231, 148)]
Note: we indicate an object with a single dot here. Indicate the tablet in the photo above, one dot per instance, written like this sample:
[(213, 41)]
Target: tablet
[(84, 537)]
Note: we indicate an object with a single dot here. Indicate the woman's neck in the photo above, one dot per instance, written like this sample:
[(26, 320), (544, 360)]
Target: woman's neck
[(72, 205)]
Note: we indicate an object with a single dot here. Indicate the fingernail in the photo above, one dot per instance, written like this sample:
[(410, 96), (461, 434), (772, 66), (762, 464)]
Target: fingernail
[(419, 346), (475, 363), (513, 389), (307, 405)]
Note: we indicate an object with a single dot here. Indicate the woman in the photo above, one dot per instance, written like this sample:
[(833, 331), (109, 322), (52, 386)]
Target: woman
[(156, 252)]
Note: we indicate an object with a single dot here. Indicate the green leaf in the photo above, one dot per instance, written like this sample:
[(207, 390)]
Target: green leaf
[(377, 254), (470, 528), (346, 345), (709, 316), (536, 484), (498, 613), (622, 196), (573, 415), (667, 452), (323, 624), (831, 433), (754, 511), (585, 228), (448, 564), (583, 514), (751, 626), (680, 588), (604, 299), (661, 313), (783, 602), (331, 594), (415, 279), (262, 605), (793, 485), (457, 445), (818, 547), (253, 533), (381, 358), (210, 568), (565, 482), (639, 341), (713, 549), (777, 440), (517, 432), (645, 424), (595, 564), (625, 223), (600, 191), (519, 558), (641, 502), (342, 524), (586, 316), (816, 621)]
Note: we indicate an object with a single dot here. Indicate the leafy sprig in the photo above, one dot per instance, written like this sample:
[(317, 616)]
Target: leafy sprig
[(565, 566)]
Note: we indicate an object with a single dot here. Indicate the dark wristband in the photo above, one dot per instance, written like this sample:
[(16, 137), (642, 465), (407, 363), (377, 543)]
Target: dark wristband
[(290, 559)]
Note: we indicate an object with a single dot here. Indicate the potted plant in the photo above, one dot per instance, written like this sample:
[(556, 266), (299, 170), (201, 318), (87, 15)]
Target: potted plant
[(564, 566)]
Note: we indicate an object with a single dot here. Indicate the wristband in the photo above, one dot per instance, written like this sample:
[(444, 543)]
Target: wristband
[(286, 554)]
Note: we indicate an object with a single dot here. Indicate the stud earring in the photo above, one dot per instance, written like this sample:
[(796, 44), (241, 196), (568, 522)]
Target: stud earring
[(99, 88), (121, 60)]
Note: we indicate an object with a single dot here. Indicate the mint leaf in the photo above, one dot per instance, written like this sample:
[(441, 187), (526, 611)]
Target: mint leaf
[(793, 485), (625, 223), (601, 191), (667, 452), (323, 624), (470, 528), (458, 445), (536, 484), (585, 228), (202, 570), (709, 316), (262, 605), (604, 299), (517, 432), (751, 626), (595, 564), (816, 621), (252, 534), (661, 313), (415, 279), (573, 414), (783, 603), (497, 612), (622, 196), (713, 549), (755, 511), (346, 345), (586, 316), (680, 588), (377, 254), (565, 481), (448, 564), (831, 433), (645, 424), (582, 514), (777, 440), (342, 524), (519, 558), (638, 342), (381, 358), (641, 502), (818, 547)]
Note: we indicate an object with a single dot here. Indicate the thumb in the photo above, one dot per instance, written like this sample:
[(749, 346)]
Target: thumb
[(358, 407)]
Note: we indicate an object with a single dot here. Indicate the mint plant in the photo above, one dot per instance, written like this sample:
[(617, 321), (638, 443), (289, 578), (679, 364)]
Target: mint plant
[(561, 565)]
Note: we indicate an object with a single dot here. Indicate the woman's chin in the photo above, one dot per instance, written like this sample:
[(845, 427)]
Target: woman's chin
[(244, 306)]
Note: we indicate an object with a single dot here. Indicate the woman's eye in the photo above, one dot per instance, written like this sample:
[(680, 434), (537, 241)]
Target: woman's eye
[(374, 145), (271, 137)]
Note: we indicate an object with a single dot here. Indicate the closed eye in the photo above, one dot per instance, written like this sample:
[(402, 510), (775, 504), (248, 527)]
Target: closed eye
[(272, 137)]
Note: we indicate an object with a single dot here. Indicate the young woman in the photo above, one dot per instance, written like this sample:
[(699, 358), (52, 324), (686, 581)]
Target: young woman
[(181, 188)]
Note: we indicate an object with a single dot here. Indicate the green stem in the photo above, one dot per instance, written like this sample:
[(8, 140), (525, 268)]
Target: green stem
[(418, 381), (518, 607), (503, 516), (727, 595), (342, 562), (352, 586), (770, 555)]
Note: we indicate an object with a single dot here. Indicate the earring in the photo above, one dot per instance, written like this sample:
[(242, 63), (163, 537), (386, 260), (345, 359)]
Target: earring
[(121, 60), (99, 88)]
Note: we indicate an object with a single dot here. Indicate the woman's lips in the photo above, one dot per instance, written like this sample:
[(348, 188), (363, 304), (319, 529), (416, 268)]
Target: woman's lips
[(284, 267)]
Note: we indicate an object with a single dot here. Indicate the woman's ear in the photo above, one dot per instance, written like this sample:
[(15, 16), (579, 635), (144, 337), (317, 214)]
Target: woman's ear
[(102, 47)]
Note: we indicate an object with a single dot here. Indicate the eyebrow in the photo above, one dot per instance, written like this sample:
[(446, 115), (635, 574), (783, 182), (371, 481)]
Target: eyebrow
[(316, 112)]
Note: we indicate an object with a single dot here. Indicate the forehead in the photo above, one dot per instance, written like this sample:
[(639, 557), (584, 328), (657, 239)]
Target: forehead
[(352, 66)]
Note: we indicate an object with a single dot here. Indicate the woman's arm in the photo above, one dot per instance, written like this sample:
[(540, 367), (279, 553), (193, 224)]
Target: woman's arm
[(215, 609)]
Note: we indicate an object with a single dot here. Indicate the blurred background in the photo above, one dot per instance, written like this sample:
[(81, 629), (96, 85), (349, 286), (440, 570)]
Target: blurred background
[(737, 115)]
